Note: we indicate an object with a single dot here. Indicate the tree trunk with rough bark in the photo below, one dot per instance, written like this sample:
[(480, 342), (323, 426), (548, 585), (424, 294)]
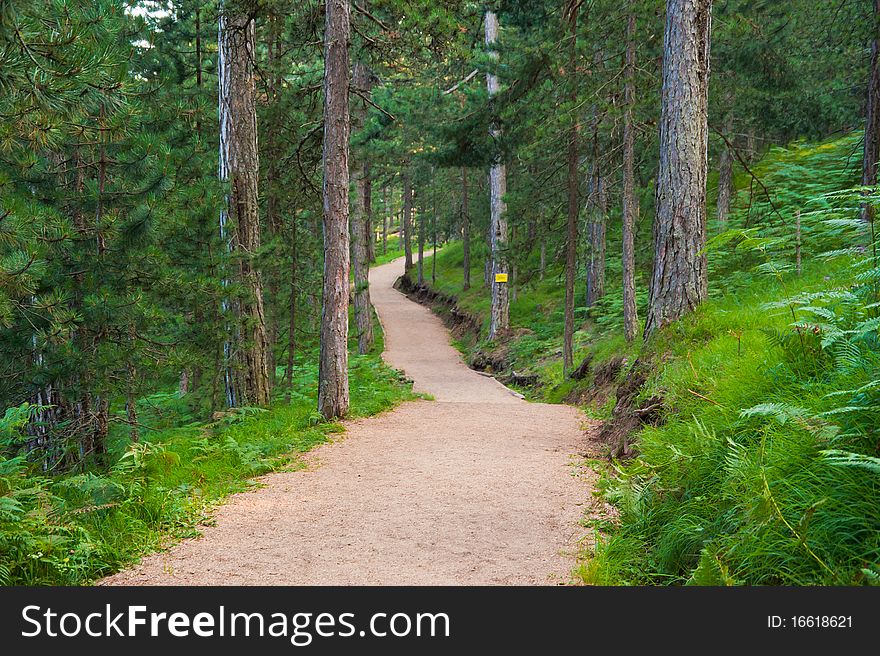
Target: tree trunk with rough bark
[(421, 241), (291, 317), (359, 221), (369, 237), (630, 319), (406, 228), (571, 240), (597, 230), (679, 281), (499, 319), (385, 209), (273, 213), (465, 230), (725, 186), (872, 119), (250, 352), (333, 398), (434, 235)]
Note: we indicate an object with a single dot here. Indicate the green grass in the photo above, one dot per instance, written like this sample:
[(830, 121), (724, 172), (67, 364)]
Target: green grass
[(74, 528), (394, 250), (741, 484)]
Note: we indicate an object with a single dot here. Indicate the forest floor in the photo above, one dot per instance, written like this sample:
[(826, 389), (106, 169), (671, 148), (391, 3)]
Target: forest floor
[(474, 487)]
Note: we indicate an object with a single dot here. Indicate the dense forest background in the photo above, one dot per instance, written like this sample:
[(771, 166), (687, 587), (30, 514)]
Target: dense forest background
[(182, 193)]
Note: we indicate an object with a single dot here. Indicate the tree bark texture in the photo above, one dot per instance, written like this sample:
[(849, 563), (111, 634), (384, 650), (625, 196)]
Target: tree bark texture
[(407, 225), (421, 242), (499, 319), (291, 307), (333, 399), (240, 167), (725, 186), (679, 281), (872, 119), (465, 230), (359, 221), (630, 319), (386, 208), (598, 206), (571, 233)]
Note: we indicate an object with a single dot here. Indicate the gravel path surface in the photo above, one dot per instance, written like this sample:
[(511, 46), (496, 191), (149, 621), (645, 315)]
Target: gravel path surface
[(476, 487)]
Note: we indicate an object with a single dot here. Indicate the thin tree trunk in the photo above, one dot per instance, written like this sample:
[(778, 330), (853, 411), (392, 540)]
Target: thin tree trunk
[(98, 426), (359, 222), (421, 240), (434, 239), (573, 206), (679, 281), (598, 213), (199, 61), (333, 399), (465, 229), (500, 311), (597, 229), (630, 320), (407, 224), (239, 132), (543, 264), (385, 209), (273, 215), (725, 185), (291, 326), (131, 390), (369, 237), (872, 120)]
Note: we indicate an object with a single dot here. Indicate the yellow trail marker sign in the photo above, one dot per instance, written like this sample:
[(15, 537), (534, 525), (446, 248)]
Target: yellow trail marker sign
[(500, 277)]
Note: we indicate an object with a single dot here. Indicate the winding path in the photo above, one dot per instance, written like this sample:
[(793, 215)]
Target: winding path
[(476, 487)]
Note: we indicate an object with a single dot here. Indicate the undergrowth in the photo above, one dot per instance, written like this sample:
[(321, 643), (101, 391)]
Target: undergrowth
[(74, 528), (765, 469)]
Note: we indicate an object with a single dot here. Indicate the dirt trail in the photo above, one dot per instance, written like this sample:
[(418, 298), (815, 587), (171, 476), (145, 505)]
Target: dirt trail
[(477, 487)]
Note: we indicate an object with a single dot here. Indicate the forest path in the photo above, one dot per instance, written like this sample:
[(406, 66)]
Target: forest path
[(477, 487)]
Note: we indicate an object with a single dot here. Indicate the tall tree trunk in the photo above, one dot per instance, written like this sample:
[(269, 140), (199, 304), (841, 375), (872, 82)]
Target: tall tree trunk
[(598, 213), (359, 221), (369, 236), (385, 210), (406, 228), (725, 177), (421, 239), (434, 237), (571, 240), (872, 120), (273, 214), (543, 264), (679, 281), (500, 312), (465, 230), (239, 145), (131, 389), (597, 229), (333, 399), (199, 61), (291, 324), (630, 320)]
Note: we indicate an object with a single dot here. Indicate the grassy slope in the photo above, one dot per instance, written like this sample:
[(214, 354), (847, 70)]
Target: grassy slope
[(75, 528), (716, 495), (393, 251)]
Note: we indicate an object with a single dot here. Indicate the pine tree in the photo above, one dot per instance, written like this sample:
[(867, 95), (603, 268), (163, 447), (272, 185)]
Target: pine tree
[(679, 282), (333, 399)]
